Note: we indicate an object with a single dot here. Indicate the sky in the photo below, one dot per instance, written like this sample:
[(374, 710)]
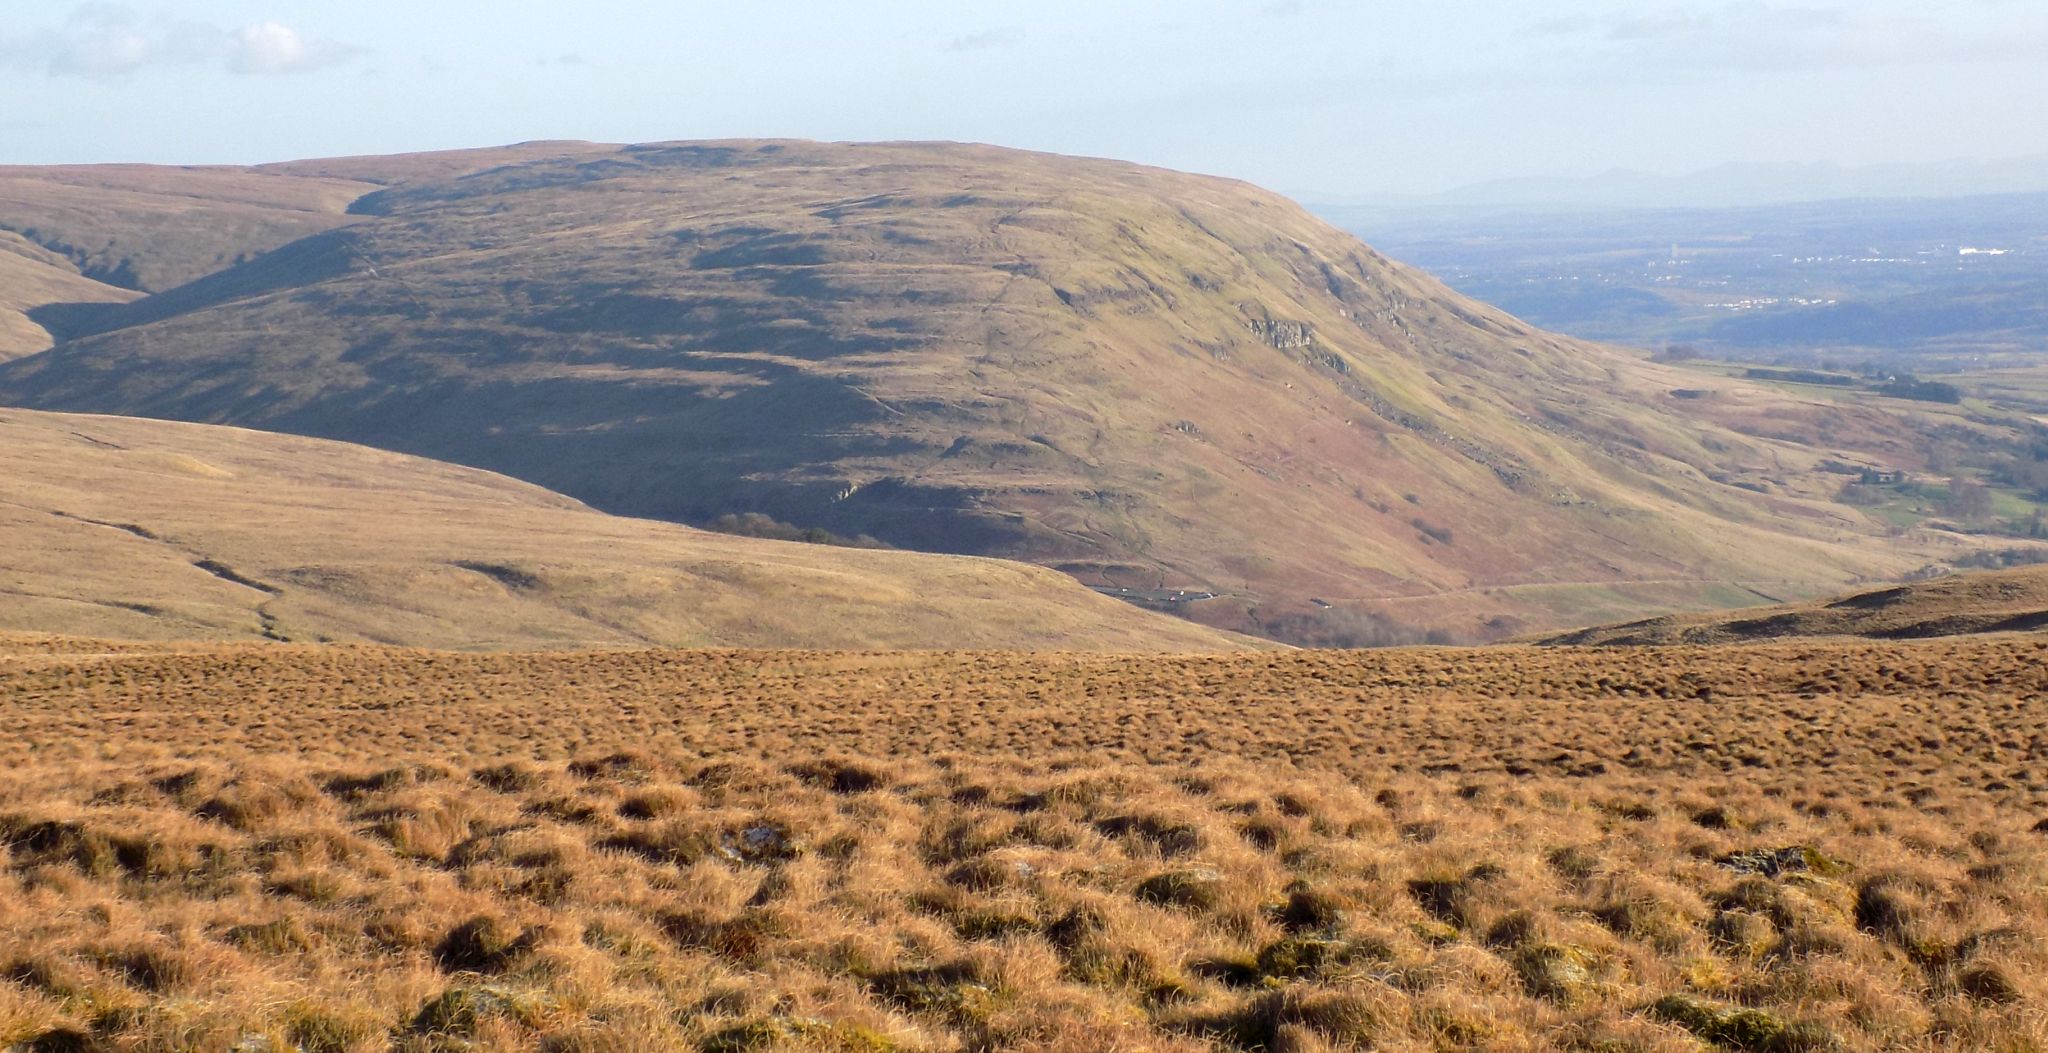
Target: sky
[(1318, 98)]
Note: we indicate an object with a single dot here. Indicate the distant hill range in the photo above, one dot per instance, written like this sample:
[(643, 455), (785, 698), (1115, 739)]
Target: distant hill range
[(139, 529), (1725, 186), (1963, 604), (1183, 387)]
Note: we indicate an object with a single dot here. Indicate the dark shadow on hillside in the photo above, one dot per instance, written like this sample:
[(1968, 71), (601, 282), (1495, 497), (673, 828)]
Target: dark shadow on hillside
[(68, 321), (304, 262)]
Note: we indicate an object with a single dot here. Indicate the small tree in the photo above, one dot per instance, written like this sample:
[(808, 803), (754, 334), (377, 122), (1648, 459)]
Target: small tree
[(1967, 500)]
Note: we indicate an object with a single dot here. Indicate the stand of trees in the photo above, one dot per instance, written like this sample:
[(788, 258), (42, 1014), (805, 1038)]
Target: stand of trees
[(1907, 386)]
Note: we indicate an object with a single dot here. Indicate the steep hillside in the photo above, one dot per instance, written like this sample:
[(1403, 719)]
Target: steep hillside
[(32, 277), (1990, 602), (150, 228), (1147, 379), (95, 234), (145, 529)]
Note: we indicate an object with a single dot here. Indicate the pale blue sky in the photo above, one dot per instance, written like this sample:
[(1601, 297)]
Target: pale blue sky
[(1313, 97)]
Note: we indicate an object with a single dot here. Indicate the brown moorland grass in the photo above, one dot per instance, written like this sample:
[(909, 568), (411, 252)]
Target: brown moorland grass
[(145, 529), (2012, 600), (1787, 847), (72, 235), (155, 227)]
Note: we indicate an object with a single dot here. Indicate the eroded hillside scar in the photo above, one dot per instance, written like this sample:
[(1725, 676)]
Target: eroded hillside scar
[(226, 573)]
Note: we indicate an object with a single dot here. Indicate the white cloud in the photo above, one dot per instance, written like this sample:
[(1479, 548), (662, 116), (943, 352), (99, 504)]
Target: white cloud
[(108, 41), (272, 47), (103, 54)]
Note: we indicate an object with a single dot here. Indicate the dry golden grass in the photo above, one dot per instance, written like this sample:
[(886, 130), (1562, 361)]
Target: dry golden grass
[(1791, 847), (134, 528)]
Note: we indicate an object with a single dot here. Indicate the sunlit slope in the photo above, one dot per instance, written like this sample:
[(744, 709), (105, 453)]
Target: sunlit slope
[(1145, 378), (153, 227), (91, 234), (1989, 602), (32, 277), (145, 529)]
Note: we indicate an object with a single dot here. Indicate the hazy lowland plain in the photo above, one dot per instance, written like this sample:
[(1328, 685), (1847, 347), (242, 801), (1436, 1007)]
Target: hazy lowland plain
[(310, 745), (1931, 285)]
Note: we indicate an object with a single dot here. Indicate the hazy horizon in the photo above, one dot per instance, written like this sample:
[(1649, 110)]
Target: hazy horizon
[(1311, 97)]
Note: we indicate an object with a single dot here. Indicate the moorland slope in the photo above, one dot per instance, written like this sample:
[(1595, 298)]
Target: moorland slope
[(32, 277), (1144, 378), (111, 233), (123, 527), (1988, 602), (150, 227)]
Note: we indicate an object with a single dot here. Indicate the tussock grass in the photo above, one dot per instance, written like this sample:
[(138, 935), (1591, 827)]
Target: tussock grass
[(976, 904), (355, 850)]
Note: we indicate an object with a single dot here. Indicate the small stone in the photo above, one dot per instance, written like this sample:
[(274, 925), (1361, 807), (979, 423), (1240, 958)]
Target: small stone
[(1771, 862)]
